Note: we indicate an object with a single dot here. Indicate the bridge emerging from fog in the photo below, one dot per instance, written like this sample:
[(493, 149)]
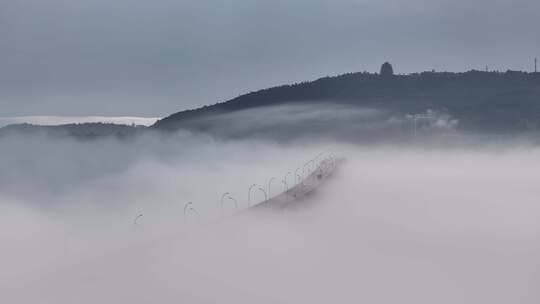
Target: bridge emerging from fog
[(306, 179), (313, 175)]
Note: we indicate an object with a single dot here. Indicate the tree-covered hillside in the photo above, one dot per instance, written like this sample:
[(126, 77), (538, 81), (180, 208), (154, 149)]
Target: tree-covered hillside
[(482, 101)]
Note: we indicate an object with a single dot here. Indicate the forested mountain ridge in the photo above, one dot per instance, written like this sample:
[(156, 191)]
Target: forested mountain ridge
[(486, 101), (353, 106)]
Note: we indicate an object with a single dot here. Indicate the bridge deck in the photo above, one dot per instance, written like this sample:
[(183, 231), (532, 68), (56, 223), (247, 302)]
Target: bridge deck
[(302, 189)]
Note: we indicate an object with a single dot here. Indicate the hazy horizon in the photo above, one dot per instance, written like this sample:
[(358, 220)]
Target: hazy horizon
[(44, 120)]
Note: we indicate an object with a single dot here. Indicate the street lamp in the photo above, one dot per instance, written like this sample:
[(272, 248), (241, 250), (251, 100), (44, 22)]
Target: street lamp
[(297, 175), (308, 165), (286, 189), (269, 184), (228, 196), (249, 192), (265, 194), (189, 207), (285, 186), (234, 200), (186, 207), (222, 197), (137, 218), (285, 178)]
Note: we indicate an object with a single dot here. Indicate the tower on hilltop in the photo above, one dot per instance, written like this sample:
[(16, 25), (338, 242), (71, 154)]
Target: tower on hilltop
[(386, 69)]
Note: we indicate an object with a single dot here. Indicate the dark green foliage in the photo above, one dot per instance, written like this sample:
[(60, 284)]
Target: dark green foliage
[(482, 101)]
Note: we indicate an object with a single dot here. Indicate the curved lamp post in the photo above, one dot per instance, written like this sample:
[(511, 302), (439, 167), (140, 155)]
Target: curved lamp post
[(221, 201), (269, 184), (308, 165), (234, 200), (286, 187), (186, 206), (285, 178), (265, 194), (228, 196), (249, 193), (297, 176), (137, 218), (189, 207)]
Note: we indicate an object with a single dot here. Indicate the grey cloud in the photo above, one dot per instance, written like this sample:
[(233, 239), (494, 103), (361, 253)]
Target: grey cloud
[(152, 58)]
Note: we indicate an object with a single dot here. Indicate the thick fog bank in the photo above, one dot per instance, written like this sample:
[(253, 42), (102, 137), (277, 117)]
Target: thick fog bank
[(148, 171), (394, 224), (312, 121)]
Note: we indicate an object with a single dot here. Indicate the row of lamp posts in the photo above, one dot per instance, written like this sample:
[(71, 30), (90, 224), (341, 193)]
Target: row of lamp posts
[(311, 165)]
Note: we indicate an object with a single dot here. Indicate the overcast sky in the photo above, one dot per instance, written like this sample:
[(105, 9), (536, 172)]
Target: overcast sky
[(152, 58)]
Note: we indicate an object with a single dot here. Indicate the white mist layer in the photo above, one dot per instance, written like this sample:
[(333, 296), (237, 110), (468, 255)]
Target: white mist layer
[(394, 225)]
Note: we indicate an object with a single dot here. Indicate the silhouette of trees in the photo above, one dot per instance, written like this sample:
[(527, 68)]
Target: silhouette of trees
[(487, 101)]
